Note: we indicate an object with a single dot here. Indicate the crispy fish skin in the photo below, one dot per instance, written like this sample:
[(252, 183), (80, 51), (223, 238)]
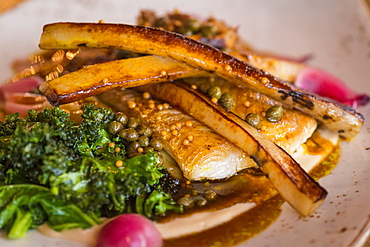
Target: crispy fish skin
[(198, 150), (293, 183), (335, 116), (288, 133)]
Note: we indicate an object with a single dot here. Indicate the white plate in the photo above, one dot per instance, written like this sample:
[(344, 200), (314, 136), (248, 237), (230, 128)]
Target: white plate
[(336, 33)]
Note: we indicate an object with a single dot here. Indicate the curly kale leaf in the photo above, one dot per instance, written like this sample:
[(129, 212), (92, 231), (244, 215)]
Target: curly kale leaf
[(33, 149), (93, 130), (98, 185), (57, 169), (8, 127), (63, 129), (41, 146)]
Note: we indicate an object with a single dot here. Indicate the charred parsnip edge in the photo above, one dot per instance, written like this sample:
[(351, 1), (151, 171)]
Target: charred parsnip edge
[(335, 116), (131, 72), (126, 73), (284, 69), (293, 183)]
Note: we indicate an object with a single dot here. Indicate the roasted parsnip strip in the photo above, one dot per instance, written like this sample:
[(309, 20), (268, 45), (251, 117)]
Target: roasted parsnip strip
[(288, 133), (335, 116), (283, 69), (292, 182), (125, 73)]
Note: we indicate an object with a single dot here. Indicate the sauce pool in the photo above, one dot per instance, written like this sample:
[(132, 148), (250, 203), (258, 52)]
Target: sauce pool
[(252, 222)]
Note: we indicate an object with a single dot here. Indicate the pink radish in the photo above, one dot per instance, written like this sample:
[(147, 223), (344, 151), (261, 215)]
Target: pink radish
[(129, 230), (327, 85)]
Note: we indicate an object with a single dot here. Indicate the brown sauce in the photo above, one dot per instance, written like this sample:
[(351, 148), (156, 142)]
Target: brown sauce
[(328, 165), (238, 189), (251, 223), (317, 145), (241, 228)]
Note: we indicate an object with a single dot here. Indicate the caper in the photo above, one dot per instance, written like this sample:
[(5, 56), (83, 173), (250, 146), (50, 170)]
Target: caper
[(274, 113), (254, 120), (204, 87), (133, 122), (201, 201), (132, 135), (156, 144), (132, 147), (214, 92), (209, 31), (194, 193), (123, 133), (194, 25), (122, 118), (143, 141), (210, 194), (186, 202), (114, 127), (148, 149), (160, 159), (186, 32), (160, 22), (144, 129), (226, 100)]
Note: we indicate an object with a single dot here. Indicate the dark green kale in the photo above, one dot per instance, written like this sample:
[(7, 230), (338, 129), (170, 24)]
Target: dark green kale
[(26, 206), (54, 170)]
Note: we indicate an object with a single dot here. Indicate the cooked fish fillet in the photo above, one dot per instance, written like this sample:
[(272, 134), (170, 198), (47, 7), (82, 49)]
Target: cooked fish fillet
[(198, 150), (289, 133)]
